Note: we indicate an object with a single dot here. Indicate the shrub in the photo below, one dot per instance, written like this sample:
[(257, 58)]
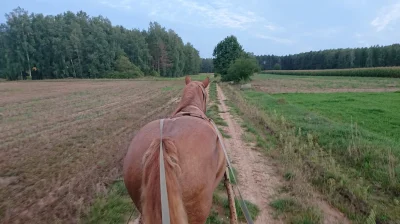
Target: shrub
[(277, 66), (241, 70), (154, 73), (125, 69)]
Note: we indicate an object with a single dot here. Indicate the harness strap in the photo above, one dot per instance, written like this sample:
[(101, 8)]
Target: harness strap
[(190, 114), (163, 183), (242, 204)]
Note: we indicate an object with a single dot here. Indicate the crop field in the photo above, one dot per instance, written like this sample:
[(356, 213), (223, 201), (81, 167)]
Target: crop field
[(270, 83), (354, 121), (393, 72), (62, 142)]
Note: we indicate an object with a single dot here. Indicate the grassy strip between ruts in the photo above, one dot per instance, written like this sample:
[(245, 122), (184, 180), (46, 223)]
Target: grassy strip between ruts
[(213, 111), (302, 155)]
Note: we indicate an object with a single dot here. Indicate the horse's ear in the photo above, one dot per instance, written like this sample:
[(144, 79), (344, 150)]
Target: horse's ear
[(206, 82), (187, 79)]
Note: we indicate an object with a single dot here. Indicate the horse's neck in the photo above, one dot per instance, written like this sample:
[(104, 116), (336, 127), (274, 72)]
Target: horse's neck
[(191, 108)]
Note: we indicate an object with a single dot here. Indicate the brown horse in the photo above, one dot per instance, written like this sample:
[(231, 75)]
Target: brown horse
[(194, 162)]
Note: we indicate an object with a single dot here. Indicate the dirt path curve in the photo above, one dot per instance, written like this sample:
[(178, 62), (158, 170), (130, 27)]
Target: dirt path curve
[(257, 177)]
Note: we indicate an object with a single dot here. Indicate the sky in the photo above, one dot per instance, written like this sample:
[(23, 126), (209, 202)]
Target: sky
[(261, 26)]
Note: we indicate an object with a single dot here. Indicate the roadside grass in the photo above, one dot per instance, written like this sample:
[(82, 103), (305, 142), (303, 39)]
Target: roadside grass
[(222, 203), (358, 179), (294, 212), (220, 212), (112, 207)]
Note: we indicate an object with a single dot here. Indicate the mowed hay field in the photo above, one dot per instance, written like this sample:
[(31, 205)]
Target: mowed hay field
[(344, 133), (63, 142)]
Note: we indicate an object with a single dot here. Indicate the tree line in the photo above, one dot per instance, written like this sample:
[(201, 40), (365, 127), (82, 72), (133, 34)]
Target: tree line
[(374, 56), (80, 46)]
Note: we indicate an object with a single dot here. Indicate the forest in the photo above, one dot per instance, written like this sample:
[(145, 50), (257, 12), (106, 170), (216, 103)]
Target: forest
[(80, 46), (207, 65), (374, 56)]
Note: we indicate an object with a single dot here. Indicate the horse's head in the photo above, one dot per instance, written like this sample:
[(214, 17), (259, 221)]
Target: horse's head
[(194, 95), (196, 92)]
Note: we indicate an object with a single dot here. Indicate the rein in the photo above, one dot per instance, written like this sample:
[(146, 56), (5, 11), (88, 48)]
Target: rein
[(242, 204), (163, 183), (163, 186)]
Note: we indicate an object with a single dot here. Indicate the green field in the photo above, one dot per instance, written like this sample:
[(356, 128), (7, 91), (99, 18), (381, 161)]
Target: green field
[(375, 112), (271, 83), (332, 119), (393, 72)]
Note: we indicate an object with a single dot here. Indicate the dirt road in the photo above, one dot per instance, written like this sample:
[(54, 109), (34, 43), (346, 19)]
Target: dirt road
[(258, 179)]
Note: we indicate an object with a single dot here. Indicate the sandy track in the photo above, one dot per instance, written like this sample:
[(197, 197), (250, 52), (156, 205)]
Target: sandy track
[(257, 176)]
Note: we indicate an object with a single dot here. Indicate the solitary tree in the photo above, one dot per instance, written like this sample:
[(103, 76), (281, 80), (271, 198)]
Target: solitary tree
[(225, 53)]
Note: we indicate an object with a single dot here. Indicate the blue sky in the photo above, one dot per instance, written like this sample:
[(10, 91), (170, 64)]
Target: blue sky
[(261, 26)]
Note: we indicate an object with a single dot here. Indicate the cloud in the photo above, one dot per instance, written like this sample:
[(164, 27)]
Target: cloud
[(358, 35), (363, 43), (122, 4), (218, 13), (324, 33), (273, 27), (353, 3), (275, 39), (387, 15), (214, 13)]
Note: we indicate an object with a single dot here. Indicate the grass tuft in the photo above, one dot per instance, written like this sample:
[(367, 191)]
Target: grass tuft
[(284, 205), (295, 212), (289, 176), (253, 209), (113, 207), (309, 216)]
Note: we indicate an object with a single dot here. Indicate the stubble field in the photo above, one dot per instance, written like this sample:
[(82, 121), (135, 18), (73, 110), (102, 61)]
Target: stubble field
[(62, 142)]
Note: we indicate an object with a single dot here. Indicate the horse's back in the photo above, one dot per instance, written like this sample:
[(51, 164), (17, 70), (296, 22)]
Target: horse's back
[(199, 156)]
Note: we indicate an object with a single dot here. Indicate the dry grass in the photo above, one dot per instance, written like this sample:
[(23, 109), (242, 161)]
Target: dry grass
[(63, 142)]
